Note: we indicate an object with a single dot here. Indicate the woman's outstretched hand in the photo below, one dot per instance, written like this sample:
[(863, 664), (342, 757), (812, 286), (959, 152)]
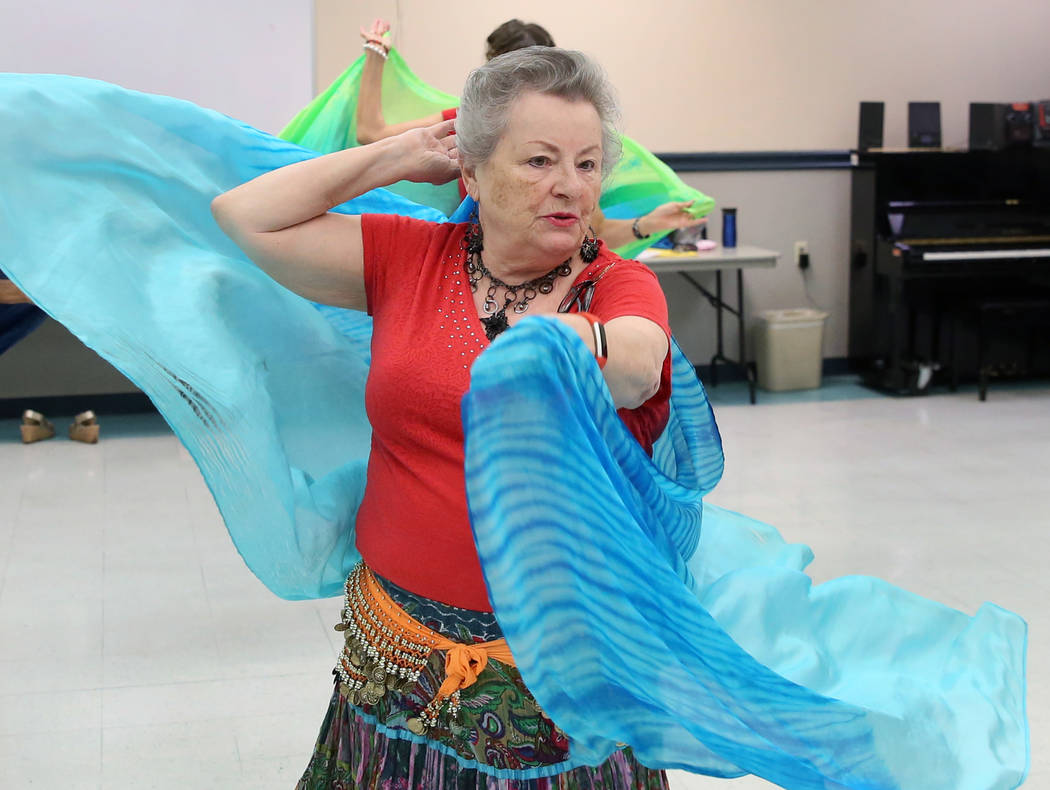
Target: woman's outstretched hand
[(430, 154), (672, 216)]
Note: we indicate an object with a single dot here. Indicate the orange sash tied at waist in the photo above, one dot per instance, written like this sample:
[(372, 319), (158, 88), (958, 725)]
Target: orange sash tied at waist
[(386, 648)]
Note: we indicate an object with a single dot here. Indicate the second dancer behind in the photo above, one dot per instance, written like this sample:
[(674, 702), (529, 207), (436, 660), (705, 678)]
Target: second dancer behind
[(511, 36)]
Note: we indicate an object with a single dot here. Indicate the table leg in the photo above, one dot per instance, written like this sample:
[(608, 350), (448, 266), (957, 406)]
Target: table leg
[(717, 302), (749, 369), (720, 332)]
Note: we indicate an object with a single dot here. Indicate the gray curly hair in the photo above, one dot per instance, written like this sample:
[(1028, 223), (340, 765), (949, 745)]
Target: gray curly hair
[(492, 89)]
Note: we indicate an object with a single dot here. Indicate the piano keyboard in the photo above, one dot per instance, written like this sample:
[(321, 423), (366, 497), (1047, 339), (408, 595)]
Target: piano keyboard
[(986, 255)]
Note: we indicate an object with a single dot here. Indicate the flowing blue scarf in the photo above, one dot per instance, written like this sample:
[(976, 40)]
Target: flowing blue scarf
[(637, 614)]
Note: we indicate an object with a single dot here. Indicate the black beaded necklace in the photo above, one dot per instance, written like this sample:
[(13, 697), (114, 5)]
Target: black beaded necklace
[(516, 297)]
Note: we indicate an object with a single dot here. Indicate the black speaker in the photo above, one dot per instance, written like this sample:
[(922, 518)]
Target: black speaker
[(924, 124), (1042, 123), (987, 126), (1020, 120), (870, 126)]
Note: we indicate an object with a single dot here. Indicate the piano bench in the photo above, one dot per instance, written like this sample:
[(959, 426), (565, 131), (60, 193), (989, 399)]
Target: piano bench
[(997, 315)]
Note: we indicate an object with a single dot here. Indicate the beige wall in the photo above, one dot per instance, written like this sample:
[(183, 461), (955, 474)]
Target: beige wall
[(250, 59), (736, 75)]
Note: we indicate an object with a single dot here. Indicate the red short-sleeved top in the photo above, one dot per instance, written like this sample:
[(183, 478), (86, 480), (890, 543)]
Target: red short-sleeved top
[(413, 526)]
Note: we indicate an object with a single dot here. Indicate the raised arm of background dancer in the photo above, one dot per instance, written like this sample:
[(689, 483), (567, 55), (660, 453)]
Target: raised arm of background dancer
[(371, 124), (10, 294), (670, 216), (281, 219)]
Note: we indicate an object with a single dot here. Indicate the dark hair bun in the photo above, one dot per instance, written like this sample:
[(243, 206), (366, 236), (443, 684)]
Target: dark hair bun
[(516, 34)]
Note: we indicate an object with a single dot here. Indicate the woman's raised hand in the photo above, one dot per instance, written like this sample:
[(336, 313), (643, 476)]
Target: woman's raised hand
[(430, 154), (375, 33)]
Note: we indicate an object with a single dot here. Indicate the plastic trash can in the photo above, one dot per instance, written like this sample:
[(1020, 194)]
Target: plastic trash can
[(787, 349)]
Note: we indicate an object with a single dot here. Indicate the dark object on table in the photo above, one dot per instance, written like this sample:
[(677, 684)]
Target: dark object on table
[(1020, 119), (1041, 133), (869, 134), (987, 126), (729, 227), (685, 239), (924, 124)]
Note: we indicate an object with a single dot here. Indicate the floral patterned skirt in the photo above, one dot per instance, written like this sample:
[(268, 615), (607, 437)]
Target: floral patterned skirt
[(499, 739)]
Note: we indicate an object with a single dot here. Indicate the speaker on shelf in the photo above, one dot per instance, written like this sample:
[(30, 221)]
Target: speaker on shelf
[(987, 126), (1020, 118), (870, 126), (1042, 123), (924, 124)]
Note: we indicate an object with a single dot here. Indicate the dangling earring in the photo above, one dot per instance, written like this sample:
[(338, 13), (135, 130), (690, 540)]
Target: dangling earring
[(474, 240), (589, 247)]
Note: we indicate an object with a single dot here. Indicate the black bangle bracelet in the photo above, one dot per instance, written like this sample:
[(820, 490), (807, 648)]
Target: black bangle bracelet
[(637, 233)]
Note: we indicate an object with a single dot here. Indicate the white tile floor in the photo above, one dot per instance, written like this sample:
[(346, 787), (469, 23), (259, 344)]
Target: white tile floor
[(136, 650)]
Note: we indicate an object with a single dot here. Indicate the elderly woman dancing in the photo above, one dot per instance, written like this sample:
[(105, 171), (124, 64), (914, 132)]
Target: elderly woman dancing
[(533, 139)]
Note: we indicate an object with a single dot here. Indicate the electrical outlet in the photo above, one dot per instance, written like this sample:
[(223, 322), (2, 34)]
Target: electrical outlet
[(802, 254)]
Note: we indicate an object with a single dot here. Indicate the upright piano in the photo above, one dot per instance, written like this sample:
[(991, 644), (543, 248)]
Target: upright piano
[(931, 233)]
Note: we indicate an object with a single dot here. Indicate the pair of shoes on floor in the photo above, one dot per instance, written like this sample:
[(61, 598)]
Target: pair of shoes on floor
[(36, 427)]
